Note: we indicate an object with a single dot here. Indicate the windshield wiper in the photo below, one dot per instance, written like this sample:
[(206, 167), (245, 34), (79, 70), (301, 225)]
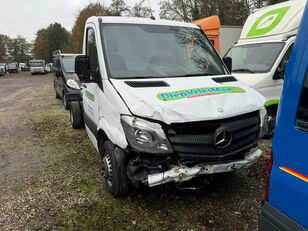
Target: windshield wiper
[(243, 70)]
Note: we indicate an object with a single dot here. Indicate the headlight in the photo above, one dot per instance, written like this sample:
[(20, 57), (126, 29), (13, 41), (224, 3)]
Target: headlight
[(72, 83), (145, 136), (263, 122)]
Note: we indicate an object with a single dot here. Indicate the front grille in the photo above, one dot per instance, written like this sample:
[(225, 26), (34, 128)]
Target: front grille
[(197, 138)]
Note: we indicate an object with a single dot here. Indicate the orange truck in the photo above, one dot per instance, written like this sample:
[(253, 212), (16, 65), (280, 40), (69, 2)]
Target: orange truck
[(221, 36)]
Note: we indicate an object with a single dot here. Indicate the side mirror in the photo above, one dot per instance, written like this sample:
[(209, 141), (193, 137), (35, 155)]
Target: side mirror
[(279, 74), (82, 67), (228, 63)]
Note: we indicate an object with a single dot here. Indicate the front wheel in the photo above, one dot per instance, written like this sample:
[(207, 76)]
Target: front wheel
[(271, 115), (114, 169)]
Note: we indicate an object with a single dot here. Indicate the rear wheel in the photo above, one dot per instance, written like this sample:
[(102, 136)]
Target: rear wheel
[(57, 95), (66, 103), (114, 169), (76, 115)]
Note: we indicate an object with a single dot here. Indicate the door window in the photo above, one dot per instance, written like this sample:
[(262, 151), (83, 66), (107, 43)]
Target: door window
[(302, 110), (92, 50)]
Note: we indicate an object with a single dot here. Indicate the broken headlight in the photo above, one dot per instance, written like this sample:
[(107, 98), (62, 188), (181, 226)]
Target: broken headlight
[(263, 122), (145, 136)]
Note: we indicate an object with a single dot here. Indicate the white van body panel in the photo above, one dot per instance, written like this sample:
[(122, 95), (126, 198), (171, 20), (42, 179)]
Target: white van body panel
[(228, 36)]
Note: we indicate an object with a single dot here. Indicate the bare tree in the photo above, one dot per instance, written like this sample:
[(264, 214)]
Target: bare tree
[(230, 12)]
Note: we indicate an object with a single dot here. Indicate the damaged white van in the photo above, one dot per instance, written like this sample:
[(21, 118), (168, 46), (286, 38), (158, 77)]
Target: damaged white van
[(160, 105)]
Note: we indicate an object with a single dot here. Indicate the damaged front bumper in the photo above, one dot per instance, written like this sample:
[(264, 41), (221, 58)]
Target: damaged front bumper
[(183, 173)]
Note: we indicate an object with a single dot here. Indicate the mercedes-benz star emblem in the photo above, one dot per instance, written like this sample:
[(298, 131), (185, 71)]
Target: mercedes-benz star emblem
[(223, 138)]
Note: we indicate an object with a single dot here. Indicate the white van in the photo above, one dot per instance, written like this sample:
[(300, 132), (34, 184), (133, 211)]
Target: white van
[(259, 57), (37, 66), (160, 105)]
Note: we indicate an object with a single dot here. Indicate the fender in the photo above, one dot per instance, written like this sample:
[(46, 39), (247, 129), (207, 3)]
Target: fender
[(115, 135), (271, 102)]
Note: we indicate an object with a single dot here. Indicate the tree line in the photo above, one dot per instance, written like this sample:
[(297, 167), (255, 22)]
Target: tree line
[(56, 37), (14, 49)]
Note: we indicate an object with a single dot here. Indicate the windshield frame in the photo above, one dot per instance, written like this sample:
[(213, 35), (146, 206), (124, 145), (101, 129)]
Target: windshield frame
[(274, 60), (109, 75)]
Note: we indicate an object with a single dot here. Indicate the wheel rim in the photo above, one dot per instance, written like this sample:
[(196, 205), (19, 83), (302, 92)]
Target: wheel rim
[(107, 169), (271, 124)]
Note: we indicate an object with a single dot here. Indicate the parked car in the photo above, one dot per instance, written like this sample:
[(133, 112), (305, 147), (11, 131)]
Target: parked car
[(24, 67), (2, 69), (161, 106), (286, 197), (260, 55), (13, 67), (3, 66), (64, 69)]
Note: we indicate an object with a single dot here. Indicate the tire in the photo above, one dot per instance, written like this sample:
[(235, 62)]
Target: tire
[(57, 95), (76, 115), (114, 169), (271, 113), (65, 103)]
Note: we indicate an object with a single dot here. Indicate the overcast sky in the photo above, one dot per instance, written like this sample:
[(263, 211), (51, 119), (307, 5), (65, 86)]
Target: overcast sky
[(25, 17)]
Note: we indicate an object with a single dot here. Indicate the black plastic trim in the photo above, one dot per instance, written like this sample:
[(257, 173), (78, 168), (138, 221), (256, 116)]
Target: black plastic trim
[(271, 219), (225, 79), (140, 84)]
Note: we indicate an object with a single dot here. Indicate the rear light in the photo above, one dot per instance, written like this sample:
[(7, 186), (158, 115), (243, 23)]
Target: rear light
[(268, 176)]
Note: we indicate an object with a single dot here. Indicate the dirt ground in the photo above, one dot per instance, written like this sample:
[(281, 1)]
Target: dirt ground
[(50, 177)]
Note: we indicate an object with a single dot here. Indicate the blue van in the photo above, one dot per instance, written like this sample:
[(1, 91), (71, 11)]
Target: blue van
[(286, 198)]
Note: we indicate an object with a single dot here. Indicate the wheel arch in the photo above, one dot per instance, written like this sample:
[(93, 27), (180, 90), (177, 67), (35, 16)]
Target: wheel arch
[(105, 132)]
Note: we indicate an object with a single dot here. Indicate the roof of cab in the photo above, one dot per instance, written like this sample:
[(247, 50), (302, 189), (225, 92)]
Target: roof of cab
[(135, 20), (274, 22)]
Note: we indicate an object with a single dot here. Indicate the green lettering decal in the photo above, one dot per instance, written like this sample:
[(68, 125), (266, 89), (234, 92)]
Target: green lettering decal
[(90, 96), (267, 22), (197, 92)]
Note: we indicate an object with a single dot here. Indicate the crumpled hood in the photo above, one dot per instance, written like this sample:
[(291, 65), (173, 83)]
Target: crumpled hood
[(189, 99)]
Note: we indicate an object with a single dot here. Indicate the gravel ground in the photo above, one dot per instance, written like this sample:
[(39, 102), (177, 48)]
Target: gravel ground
[(50, 177)]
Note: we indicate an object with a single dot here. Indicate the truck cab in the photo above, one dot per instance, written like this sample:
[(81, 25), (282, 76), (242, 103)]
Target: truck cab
[(160, 105), (260, 56), (286, 197)]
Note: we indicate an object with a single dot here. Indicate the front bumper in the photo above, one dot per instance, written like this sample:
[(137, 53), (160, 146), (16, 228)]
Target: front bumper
[(184, 173), (271, 219)]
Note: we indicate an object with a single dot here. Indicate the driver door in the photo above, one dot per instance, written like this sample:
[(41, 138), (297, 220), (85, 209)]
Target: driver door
[(91, 90)]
